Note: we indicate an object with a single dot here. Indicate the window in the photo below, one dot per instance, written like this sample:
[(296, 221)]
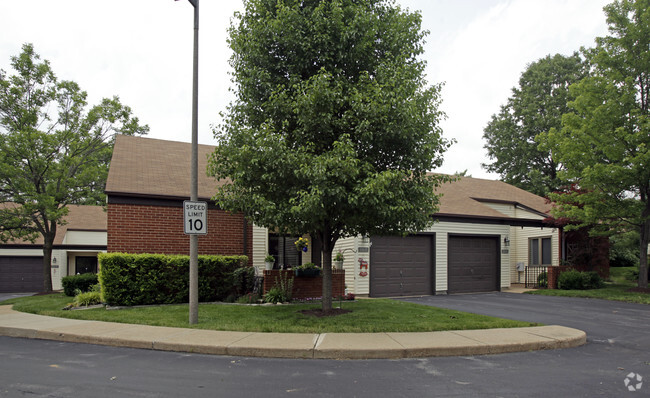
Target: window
[(283, 248), (540, 251), (85, 265)]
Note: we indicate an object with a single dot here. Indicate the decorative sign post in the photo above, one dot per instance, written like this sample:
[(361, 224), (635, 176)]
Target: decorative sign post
[(195, 217)]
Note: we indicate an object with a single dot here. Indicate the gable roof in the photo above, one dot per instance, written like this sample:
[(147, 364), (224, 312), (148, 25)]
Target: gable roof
[(152, 168), (148, 167), (469, 197), (79, 218)]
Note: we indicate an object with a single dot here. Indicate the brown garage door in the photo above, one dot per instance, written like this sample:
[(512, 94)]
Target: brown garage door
[(473, 264), (401, 266), (21, 274)]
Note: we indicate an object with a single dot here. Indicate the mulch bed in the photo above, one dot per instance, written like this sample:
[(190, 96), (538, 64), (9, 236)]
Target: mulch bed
[(318, 313), (645, 290)]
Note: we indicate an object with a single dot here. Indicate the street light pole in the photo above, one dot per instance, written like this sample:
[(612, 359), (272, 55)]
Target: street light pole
[(194, 162)]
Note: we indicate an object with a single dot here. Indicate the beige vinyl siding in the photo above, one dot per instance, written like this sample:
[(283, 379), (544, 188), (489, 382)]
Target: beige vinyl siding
[(519, 243), (260, 247), (506, 209), (85, 238), (523, 213), (350, 248)]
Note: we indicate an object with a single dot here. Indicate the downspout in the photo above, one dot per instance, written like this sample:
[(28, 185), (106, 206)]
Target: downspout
[(562, 245), (245, 225)]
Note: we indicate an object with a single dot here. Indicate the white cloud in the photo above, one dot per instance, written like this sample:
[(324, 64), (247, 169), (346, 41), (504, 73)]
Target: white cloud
[(485, 59), (142, 51)]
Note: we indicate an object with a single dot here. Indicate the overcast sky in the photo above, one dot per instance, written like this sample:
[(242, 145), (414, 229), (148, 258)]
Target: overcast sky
[(142, 51)]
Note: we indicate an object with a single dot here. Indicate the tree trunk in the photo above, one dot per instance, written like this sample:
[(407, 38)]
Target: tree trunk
[(643, 255), (48, 243), (327, 248)]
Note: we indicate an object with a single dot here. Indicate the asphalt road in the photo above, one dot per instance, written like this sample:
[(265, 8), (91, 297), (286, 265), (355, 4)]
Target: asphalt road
[(618, 344)]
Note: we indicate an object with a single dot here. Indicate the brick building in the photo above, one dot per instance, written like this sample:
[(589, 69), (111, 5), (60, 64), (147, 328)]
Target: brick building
[(147, 183)]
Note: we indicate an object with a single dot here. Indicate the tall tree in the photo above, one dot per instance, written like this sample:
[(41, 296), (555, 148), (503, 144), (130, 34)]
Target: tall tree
[(52, 151), (334, 127), (535, 106), (604, 143)]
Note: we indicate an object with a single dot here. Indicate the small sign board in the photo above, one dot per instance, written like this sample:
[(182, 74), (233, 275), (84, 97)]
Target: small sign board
[(195, 217)]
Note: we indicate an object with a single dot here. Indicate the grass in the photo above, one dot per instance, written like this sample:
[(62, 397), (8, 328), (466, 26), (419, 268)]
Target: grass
[(371, 316), (615, 290)]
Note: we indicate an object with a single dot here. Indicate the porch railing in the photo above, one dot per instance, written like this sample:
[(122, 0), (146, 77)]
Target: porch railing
[(532, 277)]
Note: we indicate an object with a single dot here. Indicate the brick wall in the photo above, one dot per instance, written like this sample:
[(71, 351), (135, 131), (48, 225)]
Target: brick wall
[(136, 228), (307, 287), (554, 274)]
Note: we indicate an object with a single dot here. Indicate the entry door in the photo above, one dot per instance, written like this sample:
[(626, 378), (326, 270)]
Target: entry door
[(85, 265)]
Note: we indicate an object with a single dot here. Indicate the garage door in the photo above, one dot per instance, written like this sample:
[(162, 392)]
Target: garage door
[(21, 274), (401, 266), (473, 264)]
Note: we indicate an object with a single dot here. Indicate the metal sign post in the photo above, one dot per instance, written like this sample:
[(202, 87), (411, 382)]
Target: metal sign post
[(194, 238), (195, 217)]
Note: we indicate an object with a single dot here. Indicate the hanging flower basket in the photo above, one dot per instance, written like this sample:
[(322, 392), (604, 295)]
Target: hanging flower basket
[(302, 244)]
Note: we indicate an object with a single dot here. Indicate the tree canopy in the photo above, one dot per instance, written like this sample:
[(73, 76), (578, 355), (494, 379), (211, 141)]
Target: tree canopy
[(535, 107), (53, 151), (604, 141), (334, 127)]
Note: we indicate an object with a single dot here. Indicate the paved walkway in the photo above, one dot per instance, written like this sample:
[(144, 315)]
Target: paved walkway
[(290, 345)]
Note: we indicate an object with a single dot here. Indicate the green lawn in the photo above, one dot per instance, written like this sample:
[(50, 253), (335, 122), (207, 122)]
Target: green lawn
[(615, 290), (374, 315)]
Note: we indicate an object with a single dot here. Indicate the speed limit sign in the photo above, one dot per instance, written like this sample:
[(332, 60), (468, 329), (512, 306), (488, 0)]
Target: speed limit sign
[(195, 217)]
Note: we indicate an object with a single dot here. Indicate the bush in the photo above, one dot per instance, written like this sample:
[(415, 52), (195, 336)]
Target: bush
[(576, 280), (137, 279), (87, 298), (249, 298), (542, 280), (570, 280), (633, 275), (281, 291), (82, 283), (244, 280), (623, 260)]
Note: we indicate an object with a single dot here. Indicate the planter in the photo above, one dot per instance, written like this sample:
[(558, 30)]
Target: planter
[(310, 272), (268, 265), (338, 264)]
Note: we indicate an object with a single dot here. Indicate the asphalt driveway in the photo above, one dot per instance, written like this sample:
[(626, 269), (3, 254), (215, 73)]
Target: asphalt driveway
[(7, 296), (618, 344), (612, 321)]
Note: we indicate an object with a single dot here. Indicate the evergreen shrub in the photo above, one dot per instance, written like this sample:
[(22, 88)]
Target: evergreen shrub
[(73, 284), (576, 280), (141, 279)]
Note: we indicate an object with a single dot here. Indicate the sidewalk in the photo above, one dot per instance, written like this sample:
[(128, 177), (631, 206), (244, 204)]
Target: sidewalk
[(290, 345)]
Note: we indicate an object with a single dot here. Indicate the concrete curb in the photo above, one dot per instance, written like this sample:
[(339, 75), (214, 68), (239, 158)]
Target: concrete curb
[(291, 345)]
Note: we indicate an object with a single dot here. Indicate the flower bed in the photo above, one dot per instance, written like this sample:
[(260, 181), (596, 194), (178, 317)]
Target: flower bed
[(305, 286)]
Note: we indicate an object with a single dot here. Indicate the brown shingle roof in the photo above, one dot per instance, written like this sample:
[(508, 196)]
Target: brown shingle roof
[(467, 197), (79, 218), (158, 168)]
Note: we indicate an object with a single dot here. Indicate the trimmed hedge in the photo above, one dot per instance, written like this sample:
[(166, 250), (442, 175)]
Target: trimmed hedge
[(141, 279), (83, 282), (576, 280)]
